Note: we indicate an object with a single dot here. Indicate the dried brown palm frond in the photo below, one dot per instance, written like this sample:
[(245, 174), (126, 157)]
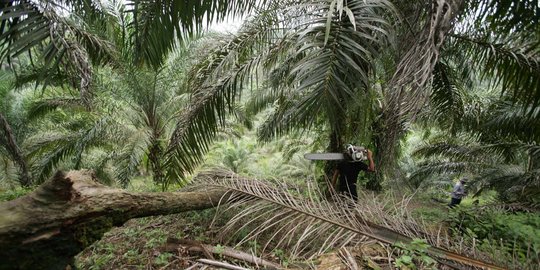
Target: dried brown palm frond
[(415, 69), (306, 225)]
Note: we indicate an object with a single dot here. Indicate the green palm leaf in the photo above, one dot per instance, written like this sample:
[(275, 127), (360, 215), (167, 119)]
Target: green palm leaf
[(131, 155), (39, 108), (157, 24), (512, 62), (218, 81), (48, 150)]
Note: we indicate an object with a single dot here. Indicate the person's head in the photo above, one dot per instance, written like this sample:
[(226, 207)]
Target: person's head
[(464, 180)]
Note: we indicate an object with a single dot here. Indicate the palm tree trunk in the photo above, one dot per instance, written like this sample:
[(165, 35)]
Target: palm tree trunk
[(154, 157), (334, 146), (408, 95), (13, 149)]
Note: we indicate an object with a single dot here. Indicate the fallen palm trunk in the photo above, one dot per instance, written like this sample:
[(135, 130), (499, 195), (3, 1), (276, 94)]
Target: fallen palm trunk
[(190, 245), (46, 228)]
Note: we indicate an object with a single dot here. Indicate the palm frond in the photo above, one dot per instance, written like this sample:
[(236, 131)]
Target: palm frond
[(330, 65), (292, 113), (474, 152), (41, 107), (446, 96), (131, 155), (512, 62), (62, 41), (513, 121), (259, 101), (303, 223), (505, 16), (48, 150), (157, 24), (26, 24), (212, 100), (429, 170)]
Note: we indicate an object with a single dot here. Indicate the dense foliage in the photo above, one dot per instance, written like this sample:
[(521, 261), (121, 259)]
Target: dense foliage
[(439, 90)]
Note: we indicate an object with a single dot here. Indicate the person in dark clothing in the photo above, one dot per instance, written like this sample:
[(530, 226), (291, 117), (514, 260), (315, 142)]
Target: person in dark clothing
[(348, 171)]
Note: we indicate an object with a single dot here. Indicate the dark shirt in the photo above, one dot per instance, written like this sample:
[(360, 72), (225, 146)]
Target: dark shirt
[(350, 170), (348, 173)]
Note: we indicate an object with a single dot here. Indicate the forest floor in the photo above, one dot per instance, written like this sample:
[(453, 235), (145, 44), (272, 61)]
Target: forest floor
[(142, 244)]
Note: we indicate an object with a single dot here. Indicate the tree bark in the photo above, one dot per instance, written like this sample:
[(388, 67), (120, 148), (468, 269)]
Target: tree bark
[(13, 149), (48, 227)]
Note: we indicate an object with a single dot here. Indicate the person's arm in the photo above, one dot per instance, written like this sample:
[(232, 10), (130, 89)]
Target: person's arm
[(371, 167)]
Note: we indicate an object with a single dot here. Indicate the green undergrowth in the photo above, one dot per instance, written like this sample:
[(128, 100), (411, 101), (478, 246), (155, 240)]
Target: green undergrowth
[(509, 236), (513, 236), (12, 194), (140, 243)]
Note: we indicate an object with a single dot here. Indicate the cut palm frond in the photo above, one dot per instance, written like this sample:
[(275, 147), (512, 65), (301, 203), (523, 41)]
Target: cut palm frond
[(309, 225)]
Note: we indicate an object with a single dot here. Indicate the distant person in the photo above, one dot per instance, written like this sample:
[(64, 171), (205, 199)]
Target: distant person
[(458, 193), (350, 167)]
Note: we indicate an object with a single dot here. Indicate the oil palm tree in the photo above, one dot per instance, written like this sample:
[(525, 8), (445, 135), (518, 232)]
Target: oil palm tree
[(292, 46), (148, 114), (12, 132), (494, 140), (313, 60), (69, 37), (473, 34), (306, 53)]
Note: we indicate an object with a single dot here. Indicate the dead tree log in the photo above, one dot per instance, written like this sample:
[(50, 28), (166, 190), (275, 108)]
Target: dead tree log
[(48, 227)]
